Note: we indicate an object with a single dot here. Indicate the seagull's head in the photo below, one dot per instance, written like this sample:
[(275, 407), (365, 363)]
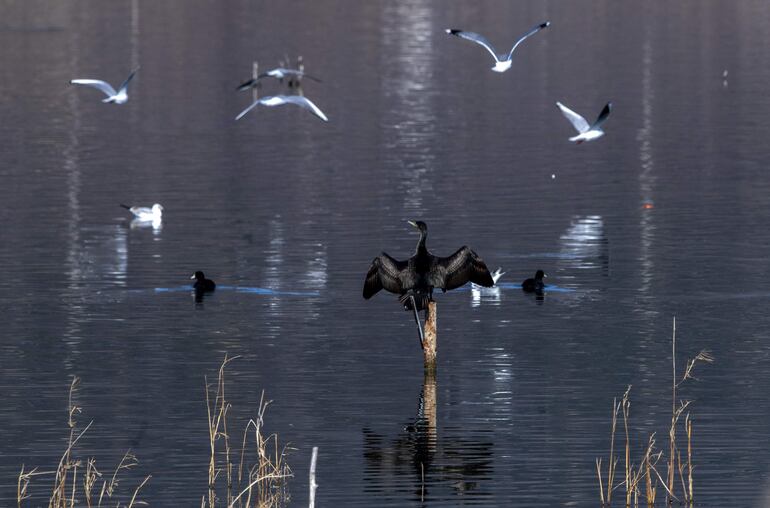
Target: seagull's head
[(419, 225), (157, 209)]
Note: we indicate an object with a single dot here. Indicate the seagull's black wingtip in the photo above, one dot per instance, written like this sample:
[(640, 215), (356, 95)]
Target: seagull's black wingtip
[(453, 31), (545, 25)]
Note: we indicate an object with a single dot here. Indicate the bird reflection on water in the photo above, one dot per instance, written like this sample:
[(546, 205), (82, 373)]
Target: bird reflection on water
[(450, 464)]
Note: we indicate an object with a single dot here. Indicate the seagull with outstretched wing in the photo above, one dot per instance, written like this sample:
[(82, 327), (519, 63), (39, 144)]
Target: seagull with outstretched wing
[(119, 97), (502, 62), (585, 132), (280, 100)]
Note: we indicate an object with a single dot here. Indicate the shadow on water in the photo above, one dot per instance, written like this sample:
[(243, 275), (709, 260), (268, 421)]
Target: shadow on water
[(439, 464)]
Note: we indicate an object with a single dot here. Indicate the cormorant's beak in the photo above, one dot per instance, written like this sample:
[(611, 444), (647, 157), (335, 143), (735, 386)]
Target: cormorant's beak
[(193, 276), (412, 223)]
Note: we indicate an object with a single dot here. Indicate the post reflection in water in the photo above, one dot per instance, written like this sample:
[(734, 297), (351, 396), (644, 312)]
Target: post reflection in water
[(441, 466), (584, 245), (408, 48), (646, 176)]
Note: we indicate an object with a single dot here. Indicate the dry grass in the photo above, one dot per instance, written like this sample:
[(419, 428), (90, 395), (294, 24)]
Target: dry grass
[(66, 491), (262, 469), (647, 471)]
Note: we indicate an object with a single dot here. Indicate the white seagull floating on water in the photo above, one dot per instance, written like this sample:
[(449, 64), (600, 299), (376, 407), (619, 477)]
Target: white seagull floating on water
[(280, 100), (495, 277), (586, 132), (144, 213), (502, 62), (119, 97)]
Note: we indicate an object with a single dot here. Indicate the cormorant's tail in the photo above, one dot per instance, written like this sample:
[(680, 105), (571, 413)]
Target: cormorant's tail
[(420, 300)]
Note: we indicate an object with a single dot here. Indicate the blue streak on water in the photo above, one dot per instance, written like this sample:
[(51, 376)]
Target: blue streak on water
[(242, 289), (514, 285)]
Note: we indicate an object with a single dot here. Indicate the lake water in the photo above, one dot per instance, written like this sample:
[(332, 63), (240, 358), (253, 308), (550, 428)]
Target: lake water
[(665, 216)]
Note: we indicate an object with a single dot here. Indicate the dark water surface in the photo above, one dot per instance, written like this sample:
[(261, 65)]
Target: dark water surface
[(667, 215)]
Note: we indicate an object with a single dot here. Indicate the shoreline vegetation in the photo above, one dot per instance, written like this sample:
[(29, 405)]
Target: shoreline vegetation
[(258, 480), (644, 480)]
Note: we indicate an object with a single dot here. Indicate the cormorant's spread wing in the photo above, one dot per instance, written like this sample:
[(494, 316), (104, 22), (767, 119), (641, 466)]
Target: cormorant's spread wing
[(462, 267), (602, 116), (96, 83), (477, 38), (384, 273), (577, 121), (124, 85), (531, 32)]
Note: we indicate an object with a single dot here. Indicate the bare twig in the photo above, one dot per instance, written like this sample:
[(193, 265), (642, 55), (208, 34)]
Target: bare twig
[(313, 484)]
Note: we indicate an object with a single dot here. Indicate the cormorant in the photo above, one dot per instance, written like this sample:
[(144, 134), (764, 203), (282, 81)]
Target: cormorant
[(419, 275), (202, 284), (534, 285)]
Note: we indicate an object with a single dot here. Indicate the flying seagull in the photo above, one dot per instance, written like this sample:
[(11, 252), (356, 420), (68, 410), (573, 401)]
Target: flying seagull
[(279, 73), (119, 97), (502, 62), (280, 100), (144, 213), (586, 132)]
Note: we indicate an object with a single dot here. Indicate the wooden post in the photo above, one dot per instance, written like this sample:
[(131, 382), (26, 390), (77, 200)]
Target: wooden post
[(429, 344), (255, 75), (429, 405)]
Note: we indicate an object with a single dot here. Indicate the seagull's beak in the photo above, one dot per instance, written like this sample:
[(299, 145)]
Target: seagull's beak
[(412, 223)]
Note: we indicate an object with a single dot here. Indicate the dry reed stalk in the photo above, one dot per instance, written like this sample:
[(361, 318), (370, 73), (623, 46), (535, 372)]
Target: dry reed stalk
[(672, 429), (688, 425), (64, 493), (680, 468), (649, 465), (215, 421), (599, 475), (136, 491), (625, 407), (313, 485), (23, 482), (58, 497), (647, 469), (260, 484), (91, 476), (612, 462)]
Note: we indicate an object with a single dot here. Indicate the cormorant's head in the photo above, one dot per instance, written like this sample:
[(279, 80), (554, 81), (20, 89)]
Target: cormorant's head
[(198, 275), (420, 225), (539, 275)]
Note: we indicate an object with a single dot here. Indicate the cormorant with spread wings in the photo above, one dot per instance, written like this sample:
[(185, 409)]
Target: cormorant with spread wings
[(415, 278)]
